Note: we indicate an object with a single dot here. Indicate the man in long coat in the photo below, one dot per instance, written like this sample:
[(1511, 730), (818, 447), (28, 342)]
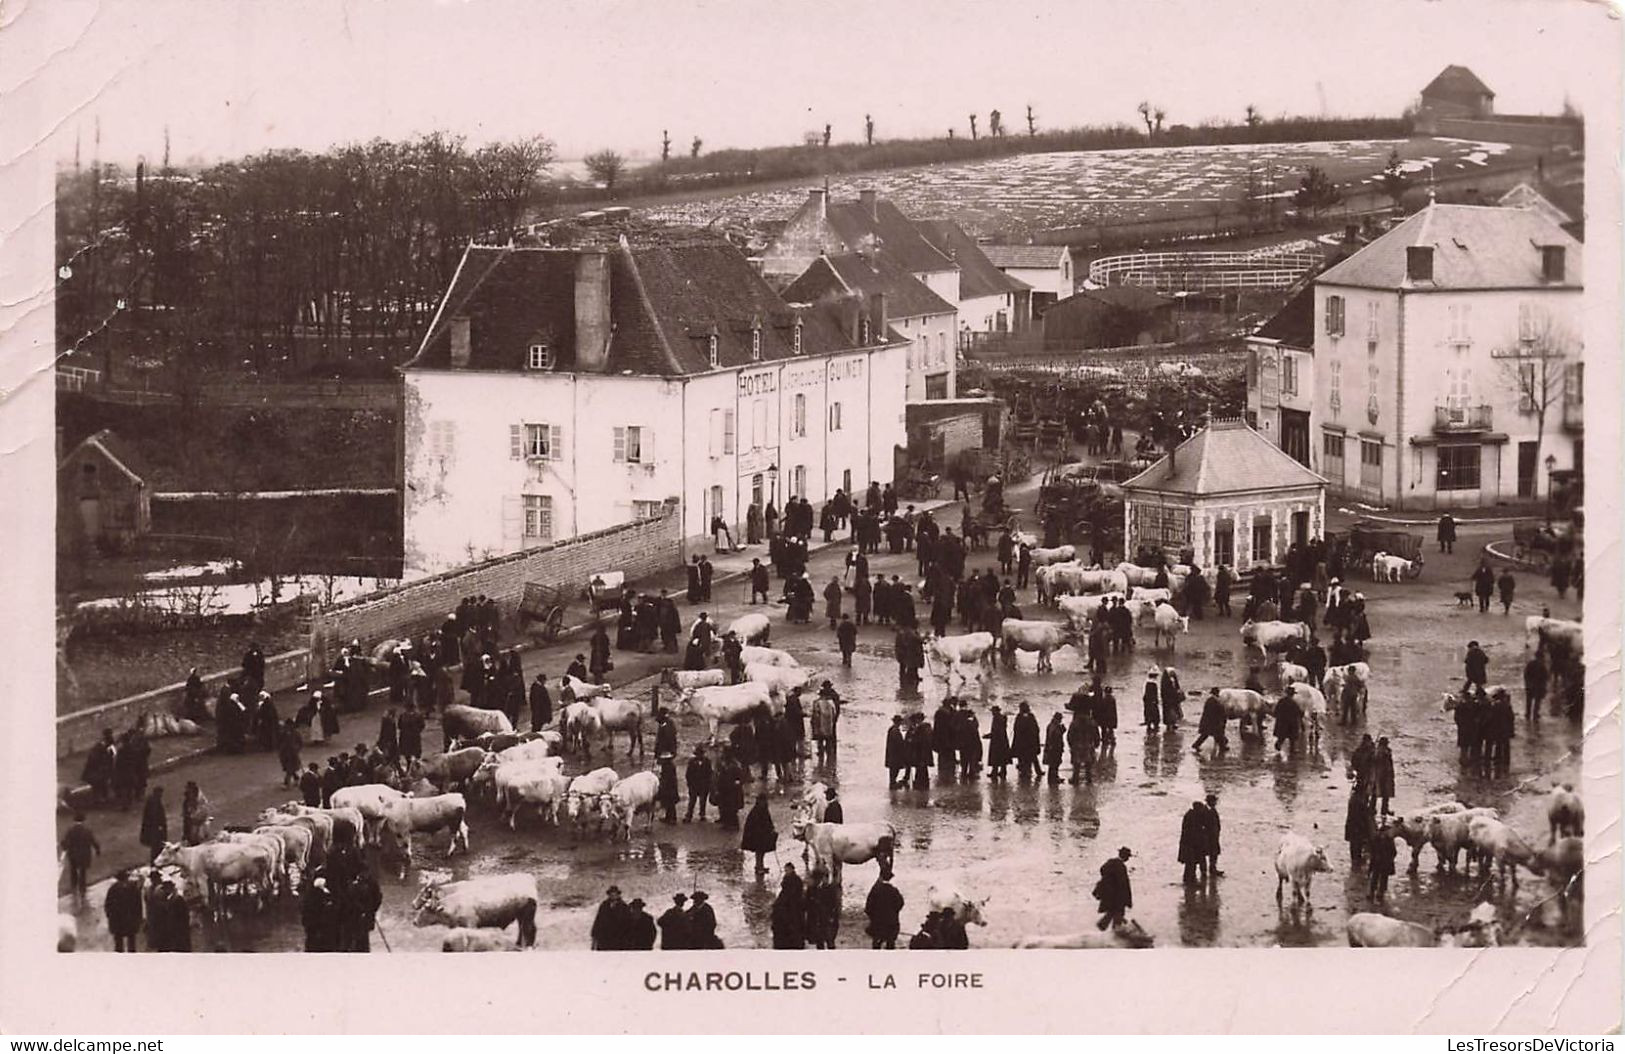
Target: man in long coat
[(760, 836), (1194, 831), (897, 754), (1113, 892), (884, 907), (1025, 741)]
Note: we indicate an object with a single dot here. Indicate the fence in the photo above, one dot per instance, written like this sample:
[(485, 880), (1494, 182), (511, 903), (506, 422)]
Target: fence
[(77, 732), (638, 549), (1201, 271)]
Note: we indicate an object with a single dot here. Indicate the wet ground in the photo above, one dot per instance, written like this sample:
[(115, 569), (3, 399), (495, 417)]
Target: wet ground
[(1035, 850)]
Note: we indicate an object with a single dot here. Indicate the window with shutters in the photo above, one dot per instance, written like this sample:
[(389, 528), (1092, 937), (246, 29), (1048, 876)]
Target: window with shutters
[(800, 429), (1289, 374), (540, 358), (1335, 385), (443, 440), (728, 427), (1263, 539), (1334, 316), (633, 445), (798, 481), (648, 510), (535, 442), (1461, 324), (1371, 321), (538, 518), (834, 417)]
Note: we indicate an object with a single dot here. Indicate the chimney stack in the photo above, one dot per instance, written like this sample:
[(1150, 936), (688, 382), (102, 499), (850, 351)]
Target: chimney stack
[(877, 318), (461, 342), (870, 200), (819, 197), (592, 310)]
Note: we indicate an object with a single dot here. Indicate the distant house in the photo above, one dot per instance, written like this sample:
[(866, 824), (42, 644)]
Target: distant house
[(914, 311), (822, 227), (1457, 92), (1114, 317), (1562, 204), (1047, 268), (990, 301), (103, 496)]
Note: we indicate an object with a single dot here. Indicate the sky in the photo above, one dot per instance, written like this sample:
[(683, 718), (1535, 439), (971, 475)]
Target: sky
[(229, 78)]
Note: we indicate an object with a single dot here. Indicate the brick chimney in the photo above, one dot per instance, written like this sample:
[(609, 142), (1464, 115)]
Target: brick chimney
[(870, 200), (461, 343), (592, 310)]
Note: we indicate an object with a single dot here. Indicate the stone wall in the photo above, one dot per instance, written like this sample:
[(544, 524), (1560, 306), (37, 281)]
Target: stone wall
[(638, 549)]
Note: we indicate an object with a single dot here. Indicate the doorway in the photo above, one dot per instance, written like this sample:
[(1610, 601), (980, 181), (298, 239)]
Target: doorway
[(1300, 528), (1295, 435), (1527, 469), (1224, 543), (756, 490)]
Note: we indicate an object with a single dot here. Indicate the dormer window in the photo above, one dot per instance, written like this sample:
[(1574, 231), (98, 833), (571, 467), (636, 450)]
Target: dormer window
[(540, 358), (756, 343), (795, 338), (711, 351), (863, 331)]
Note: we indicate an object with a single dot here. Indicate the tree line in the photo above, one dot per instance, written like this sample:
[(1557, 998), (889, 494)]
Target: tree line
[(281, 256)]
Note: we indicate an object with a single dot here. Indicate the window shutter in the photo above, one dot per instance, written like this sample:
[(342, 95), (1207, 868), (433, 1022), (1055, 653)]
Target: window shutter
[(646, 446), (555, 442), (620, 443), (513, 518), (728, 428), (516, 442)]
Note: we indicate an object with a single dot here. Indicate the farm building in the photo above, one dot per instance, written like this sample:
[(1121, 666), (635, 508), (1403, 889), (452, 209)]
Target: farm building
[(822, 227), (104, 495), (1046, 268), (1456, 92), (940, 430), (563, 390), (1113, 317), (922, 317), (1227, 495), (1280, 375)]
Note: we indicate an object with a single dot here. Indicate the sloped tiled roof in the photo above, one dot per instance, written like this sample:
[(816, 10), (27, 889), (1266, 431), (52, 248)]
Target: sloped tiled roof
[(977, 275), (1294, 324), (893, 233), (1027, 257), (906, 296), (1224, 458), (1474, 247), (1126, 297), (666, 301), (1458, 81), (120, 451)]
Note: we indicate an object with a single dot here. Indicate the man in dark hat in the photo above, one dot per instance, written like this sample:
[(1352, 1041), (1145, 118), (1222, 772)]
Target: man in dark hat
[(1213, 835), (673, 923), (78, 846), (1113, 891), (833, 813), (609, 927), (1193, 834), (897, 753), (884, 907), (702, 922), (697, 775), (640, 927), (123, 908)]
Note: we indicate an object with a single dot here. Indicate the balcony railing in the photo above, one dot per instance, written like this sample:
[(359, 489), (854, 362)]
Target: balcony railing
[(1450, 419), (1574, 415)]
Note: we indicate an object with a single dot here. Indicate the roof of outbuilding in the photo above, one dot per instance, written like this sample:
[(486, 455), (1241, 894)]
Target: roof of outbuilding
[(1034, 257), (666, 301), (906, 296), (977, 274), (1457, 80), (888, 230), (119, 450), (1474, 247), (1294, 324), (1225, 457), (1126, 297)]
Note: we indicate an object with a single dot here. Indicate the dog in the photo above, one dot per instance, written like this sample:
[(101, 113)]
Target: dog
[(1464, 599)]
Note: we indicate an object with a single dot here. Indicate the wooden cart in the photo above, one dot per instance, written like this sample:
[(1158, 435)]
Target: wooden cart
[(541, 610)]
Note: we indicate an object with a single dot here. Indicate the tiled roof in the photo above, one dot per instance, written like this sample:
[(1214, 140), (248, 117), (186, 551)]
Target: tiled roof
[(1028, 257), (890, 231), (1474, 247), (1127, 297), (1294, 324), (666, 301), (1456, 80), (1224, 458), (906, 296), (977, 275), (118, 449)]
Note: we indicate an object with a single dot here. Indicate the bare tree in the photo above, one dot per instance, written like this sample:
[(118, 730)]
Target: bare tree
[(995, 124), (1538, 366), (973, 126), (868, 130), (606, 167), (665, 146), (1254, 119), (827, 131), (694, 147), (1158, 114), (1032, 122), (1145, 115), (1394, 181)]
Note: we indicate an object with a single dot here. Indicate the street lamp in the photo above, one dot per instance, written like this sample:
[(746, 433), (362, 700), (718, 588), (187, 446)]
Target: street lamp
[(1551, 463), (773, 480)]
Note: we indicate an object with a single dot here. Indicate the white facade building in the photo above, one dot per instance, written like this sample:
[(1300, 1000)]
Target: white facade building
[(560, 391), (1046, 268)]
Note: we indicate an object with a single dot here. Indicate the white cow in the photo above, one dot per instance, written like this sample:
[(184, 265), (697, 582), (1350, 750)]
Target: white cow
[(1129, 935), (368, 799), (544, 786), (949, 893), (780, 680), (1082, 611), (1248, 707), (1337, 676), (635, 794), (584, 795), (1413, 826), (730, 704), (1385, 567), (583, 692), (1137, 575), (1152, 596), (688, 680), (951, 652), (1274, 635), (837, 844), (405, 817), (1290, 673), (67, 932), (754, 628), (756, 655), (535, 750), (1565, 812), (490, 901), (1296, 861), (1564, 632), (1369, 930), (270, 843), (212, 867), (297, 841), (580, 722), (1450, 833), (1170, 624), (455, 768), (465, 939), (621, 715), (1034, 635), (1494, 841), (813, 801), (1059, 555)]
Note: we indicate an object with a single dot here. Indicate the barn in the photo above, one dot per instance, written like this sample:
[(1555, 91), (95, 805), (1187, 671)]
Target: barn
[(103, 496)]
